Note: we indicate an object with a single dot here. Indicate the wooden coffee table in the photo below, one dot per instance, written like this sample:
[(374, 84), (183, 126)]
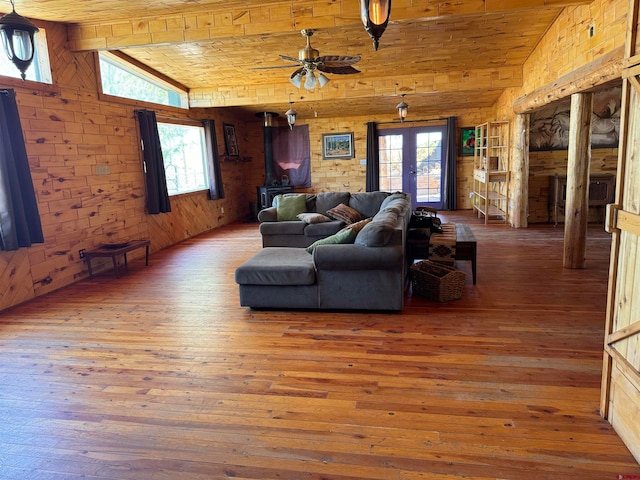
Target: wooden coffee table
[(117, 249)]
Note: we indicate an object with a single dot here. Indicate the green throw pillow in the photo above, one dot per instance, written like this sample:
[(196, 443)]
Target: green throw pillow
[(289, 206), (347, 236)]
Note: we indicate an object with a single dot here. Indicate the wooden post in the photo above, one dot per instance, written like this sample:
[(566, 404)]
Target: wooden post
[(577, 203), (520, 168)]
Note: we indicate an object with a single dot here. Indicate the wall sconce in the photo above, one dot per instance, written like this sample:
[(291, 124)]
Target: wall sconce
[(403, 109), (375, 16), (17, 37), (291, 116)]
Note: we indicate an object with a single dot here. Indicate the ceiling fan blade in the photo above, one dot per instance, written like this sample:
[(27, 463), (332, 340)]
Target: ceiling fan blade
[(268, 68), (337, 60), (289, 59), (343, 70)]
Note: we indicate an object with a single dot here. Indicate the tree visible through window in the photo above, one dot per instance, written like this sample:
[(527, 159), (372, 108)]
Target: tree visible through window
[(122, 79), (185, 159)]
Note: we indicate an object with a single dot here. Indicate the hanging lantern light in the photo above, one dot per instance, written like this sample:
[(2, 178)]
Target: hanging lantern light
[(17, 37), (375, 17), (403, 109), (291, 116)]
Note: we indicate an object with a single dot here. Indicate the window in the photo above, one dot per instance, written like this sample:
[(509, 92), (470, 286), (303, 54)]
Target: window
[(185, 158), (39, 70), (123, 79)]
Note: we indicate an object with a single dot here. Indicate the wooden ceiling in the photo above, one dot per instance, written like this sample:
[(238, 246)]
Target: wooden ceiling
[(446, 56)]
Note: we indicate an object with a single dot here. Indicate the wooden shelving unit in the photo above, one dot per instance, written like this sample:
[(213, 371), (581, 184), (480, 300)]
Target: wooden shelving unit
[(491, 171)]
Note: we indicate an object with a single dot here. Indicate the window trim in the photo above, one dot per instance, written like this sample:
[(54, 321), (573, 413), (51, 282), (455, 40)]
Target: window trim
[(144, 70)]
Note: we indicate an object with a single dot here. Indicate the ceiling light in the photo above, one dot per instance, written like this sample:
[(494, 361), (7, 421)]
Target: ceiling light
[(311, 81), (375, 16), (17, 37), (296, 79), (291, 116), (322, 79), (403, 108)]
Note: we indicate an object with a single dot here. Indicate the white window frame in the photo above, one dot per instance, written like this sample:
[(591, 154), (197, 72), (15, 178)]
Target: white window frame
[(181, 172)]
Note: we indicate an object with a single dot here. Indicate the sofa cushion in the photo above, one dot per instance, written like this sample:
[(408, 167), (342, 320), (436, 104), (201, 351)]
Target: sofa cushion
[(310, 217), (289, 206), (379, 231), (323, 229), (404, 197), (282, 228), (345, 213), (346, 236), (277, 266), (327, 200), (368, 203)]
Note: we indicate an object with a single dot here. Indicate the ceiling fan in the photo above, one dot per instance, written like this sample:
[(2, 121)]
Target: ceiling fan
[(310, 60)]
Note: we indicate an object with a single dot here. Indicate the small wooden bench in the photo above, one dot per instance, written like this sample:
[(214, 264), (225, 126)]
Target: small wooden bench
[(117, 249)]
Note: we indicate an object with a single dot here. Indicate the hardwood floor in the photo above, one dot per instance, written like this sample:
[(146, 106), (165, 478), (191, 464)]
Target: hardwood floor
[(162, 375)]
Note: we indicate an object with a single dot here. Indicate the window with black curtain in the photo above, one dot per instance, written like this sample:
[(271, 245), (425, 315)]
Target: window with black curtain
[(292, 155)]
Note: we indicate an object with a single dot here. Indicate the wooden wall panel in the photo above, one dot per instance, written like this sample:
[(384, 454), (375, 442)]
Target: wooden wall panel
[(69, 132), (542, 165)]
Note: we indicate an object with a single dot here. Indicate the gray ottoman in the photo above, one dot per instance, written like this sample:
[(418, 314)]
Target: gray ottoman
[(278, 277)]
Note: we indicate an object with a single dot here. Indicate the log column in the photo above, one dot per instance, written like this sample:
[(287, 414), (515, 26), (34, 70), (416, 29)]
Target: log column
[(520, 167), (577, 202)]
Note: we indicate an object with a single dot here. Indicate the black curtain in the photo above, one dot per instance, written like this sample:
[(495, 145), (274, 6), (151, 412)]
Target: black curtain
[(155, 177), (373, 158), (292, 155), (216, 188), (19, 217), (449, 198)]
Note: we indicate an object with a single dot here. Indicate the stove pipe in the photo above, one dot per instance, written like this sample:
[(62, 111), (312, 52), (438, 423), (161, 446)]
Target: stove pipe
[(269, 178)]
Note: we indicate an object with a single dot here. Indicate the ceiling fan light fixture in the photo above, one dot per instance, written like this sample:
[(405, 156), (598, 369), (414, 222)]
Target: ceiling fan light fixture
[(17, 37), (403, 109), (375, 17), (296, 80), (311, 81), (291, 116), (322, 79)]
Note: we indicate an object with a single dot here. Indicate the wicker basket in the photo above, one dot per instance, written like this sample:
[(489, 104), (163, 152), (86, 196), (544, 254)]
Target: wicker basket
[(436, 281)]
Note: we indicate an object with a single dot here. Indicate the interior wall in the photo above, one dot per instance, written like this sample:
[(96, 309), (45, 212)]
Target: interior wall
[(70, 130), (350, 175), (565, 47)]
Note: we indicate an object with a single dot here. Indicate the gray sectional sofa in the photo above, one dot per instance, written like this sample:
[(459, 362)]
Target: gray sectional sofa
[(368, 273)]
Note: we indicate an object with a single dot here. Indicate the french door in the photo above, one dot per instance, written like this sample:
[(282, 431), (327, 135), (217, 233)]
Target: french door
[(413, 160)]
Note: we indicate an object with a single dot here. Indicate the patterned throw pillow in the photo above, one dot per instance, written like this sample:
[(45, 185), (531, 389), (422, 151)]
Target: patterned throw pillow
[(313, 218), (356, 227), (345, 213)]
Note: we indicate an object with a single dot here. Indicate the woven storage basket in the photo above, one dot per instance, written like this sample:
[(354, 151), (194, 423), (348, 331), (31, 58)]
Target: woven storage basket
[(436, 281)]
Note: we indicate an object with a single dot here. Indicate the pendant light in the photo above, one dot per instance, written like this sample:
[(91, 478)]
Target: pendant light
[(17, 37), (403, 109), (291, 116), (375, 17)]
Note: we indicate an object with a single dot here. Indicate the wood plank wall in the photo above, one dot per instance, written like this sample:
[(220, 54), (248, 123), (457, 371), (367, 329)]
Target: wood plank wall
[(69, 131)]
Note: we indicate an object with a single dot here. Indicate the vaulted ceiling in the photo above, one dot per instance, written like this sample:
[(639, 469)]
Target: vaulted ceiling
[(444, 55)]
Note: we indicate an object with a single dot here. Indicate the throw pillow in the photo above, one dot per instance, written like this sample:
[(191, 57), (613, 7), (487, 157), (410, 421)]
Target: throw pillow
[(347, 236), (289, 206), (345, 213), (313, 218), (356, 227)]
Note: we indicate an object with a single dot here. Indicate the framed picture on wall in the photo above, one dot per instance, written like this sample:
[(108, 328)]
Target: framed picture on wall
[(230, 140), (467, 141), (337, 146)]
